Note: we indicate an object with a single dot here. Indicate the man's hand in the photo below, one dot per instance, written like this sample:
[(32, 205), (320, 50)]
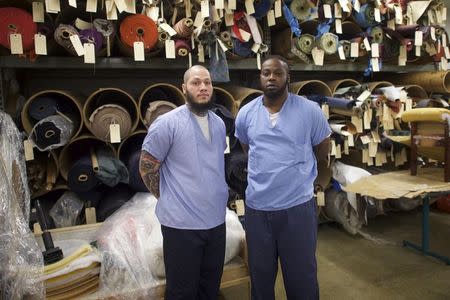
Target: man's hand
[(149, 170)]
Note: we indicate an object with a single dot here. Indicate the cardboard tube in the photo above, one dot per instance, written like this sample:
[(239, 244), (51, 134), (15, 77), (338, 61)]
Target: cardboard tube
[(378, 84), (429, 114), (416, 92), (433, 82), (223, 97), (310, 87), (337, 84), (242, 95)]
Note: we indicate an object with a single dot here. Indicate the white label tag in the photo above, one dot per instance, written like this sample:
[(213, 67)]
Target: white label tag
[(278, 9), (391, 24), (111, 14), (167, 28), (240, 208), (367, 118), (367, 44), (418, 38), (255, 47), (373, 149), (114, 133), (170, 49), (338, 151), (91, 6), (231, 4), (28, 148), (75, 39), (337, 11), (138, 51), (121, 5), (444, 64), (354, 50), (153, 13), (320, 199), (130, 6), (249, 7), (364, 95), (375, 50), (205, 8), (408, 104), (73, 3), (444, 14), (444, 40), (333, 148), (341, 52), (229, 20), (215, 13), (82, 25), (447, 52), (401, 61), (346, 147), (357, 6), (89, 53), (398, 15), (351, 140), (375, 64), (38, 12), (224, 48), (376, 136), (52, 6), (318, 55), (327, 11), (245, 35), (15, 41), (219, 4), (365, 139), (377, 14), (198, 21), (270, 18), (201, 53), (258, 60), (345, 5), (418, 50), (433, 33), (190, 59), (338, 26), (227, 141), (40, 44), (357, 121), (402, 53), (326, 110)]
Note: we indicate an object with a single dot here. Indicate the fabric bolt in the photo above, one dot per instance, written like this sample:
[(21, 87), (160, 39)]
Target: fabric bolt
[(306, 43), (108, 114), (156, 109), (333, 101), (16, 20), (156, 94), (135, 179), (262, 7), (184, 27), (135, 28), (182, 48), (52, 132), (192, 185), (105, 27), (81, 176), (42, 107), (278, 154), (236, 171), (243, 49), (111, 170), (300, 9), (62, 37), (291, 20), (366, 16), (92, 36), (218, 65)]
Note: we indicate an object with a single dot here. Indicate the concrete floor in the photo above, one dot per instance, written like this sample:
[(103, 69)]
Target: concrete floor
[(354, 267)]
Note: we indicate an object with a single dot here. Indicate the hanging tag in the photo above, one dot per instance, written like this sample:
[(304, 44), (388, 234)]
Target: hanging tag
[(231, 4), (338, 151), (167, 28), (364, 95), (354, 50), (130, 6), (52, 6), (229, 20), (38, 12), (408, 104), (367, 44), (333, 147), (351, 140), (201, 53), (89, 53), (447, 52), (401, 61), (398, 15), (190, 59), (365, 155), (245, 35), (255, 47), (153, 13), (345, 5), (346, 147), (338, 26), (320, 198), (365, 139), (278, 9), (444, 14), (375, 50), (224, 48), (438, 16), (357, 5), (249, 7), (40, 44), (433, 33), (378, 160), (376, 136), (377, 14), (138, 51), (358, 123), (270, 18), (82, 25), (91, 6), (337, 11), (108, 46), (444, 64), (375, 64), (219, 4), (114, 133), (76, 43), (240, 208), (373, 149), (188, 8), (170, 49), (111, 14), (418, 51), (91, 216), (326, 110), (227, 141), (327, 11), (318, 55), (341, 52), (121, 5), (28, 148), (192, 42), (258, 60), (198, 21), (15, 41), (418, 38), (205, 8), (367, 118), (73, 3), (444, 40)]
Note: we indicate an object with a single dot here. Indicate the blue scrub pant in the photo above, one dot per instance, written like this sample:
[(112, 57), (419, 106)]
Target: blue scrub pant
[(291, 235), (193, 262)]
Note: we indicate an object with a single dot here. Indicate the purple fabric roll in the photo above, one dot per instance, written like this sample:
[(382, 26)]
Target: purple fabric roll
[(92, 36)]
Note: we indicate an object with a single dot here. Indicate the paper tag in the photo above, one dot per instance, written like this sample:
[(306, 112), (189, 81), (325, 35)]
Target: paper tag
[(89, 53), (224, 48), (402, 53), (15, 41), (240, 208), (357, 5), (373, 149), (245, 35), (354, 50), (258, 61), (130, 6), (344, 5), (153, 13), (205, 8), (433, 33), (401, 61), (170, 49), (249, 7), (365, 139), (378, 160), (219, 4), (318, 55), (227, 141), (278, 9), (114, 132), (375, 50), (367, 44), (364, 95), (190, 59), (337, 11), (198, 21), (338, 151), (375, 64), (270, 18), (418, 38), (82, 25), (341, 52), (231, 4), (201, 53), (76, 42), (408, 104), (333, 147), (38, 12), (111, 14), (52, 6), (167, 28), (351, 140), (121, 5), (326, 110), (91, 6), (418, 50), (229, 20), (73, 3), (365, 155), (320, 198), (358, 123), (438, 16), (447, 52), (376, 136), (444, 14), (391, 24), (444, 39), (370, 161), (338, 25), (40, 44), (28, 148), (367, 118), (256, 47), (138, 51), (91, 216), (346, 147), (377, 14), (444, 64), (327, 11), (398, 15)]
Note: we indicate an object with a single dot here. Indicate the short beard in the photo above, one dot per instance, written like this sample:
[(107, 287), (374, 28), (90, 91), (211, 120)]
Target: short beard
[(197, 108), (275, 94)]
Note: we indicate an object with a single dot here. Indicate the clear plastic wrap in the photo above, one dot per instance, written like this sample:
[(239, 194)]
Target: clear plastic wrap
[(21, 261), (66, 210), (52, 132)]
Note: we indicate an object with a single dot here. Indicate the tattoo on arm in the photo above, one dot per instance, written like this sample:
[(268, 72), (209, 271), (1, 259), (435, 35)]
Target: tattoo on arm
[(149, 170)]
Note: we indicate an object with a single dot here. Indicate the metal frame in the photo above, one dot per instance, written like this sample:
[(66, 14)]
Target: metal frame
[(425, 247)]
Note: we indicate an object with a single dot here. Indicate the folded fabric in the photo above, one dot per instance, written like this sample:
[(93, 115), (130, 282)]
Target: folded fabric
[(111, 170)]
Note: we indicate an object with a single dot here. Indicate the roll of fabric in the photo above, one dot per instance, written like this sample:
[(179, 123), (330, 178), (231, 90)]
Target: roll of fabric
[(92, 36), (225, 115), (156, 94), (62, 37), (366, 15), (184, 27), (105, 27), (81, 177), (262, 7), (429, 114), (111, 170), (135, 179), (301, 9), (42, 107), (333, 102), (156, 109), (108, 114), (243, 49), (52, 132), (329, 42), (135, 28), (182, 48), (16, 20), (306, 43), (436, 82), (236, 172), (112, 200)]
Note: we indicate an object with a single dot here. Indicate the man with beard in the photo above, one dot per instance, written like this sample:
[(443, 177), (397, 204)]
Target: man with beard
[(183, 158), (285, 135)]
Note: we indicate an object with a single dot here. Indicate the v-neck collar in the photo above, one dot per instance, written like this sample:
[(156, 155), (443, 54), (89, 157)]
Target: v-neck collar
[(199, 130), (280, 113)]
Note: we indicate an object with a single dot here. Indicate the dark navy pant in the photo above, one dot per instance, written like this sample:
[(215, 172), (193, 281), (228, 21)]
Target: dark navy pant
[(193, 262), (290, 235)]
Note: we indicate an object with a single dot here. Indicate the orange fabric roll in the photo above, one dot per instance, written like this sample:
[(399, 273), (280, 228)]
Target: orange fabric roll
[(139, 28)]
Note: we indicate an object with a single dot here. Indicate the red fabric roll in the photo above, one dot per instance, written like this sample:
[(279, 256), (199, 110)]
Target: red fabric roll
[(139, 28), (16, 20), (182, 48)]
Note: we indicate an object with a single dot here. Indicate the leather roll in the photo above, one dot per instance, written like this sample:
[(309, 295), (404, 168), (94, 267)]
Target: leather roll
[(156, 109), (105, 115), (135, 28), (182, 48), (16, 20)]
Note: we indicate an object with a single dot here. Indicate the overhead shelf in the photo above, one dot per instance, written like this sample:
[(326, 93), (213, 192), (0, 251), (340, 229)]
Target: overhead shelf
[(59, 62)]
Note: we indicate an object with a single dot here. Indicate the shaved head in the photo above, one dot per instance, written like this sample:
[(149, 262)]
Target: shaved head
[(189, 72)]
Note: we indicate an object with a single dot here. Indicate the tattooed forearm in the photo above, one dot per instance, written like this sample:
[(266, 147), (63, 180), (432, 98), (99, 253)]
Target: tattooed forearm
[(149, 170)]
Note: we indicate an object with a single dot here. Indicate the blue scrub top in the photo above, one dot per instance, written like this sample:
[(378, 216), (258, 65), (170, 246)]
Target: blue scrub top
[(193, 191), (281, 163)]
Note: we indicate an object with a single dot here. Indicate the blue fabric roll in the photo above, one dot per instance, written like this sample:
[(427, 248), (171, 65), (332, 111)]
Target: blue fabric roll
[(332, 101), (81, 177), (262, 8), (365, 17), (42, 107), (291, 20), (243, 49)]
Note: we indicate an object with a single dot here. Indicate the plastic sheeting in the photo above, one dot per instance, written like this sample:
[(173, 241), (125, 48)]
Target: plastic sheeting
[(21, 261), (66, 210)]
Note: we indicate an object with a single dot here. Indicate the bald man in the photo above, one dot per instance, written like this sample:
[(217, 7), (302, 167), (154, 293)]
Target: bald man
[(182, 164)]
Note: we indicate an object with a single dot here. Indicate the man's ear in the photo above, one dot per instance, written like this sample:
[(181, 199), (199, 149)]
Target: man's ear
[(183, 87)]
